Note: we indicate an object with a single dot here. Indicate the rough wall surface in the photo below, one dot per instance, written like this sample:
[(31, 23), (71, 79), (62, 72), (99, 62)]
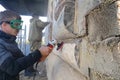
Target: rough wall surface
[(91, 37)]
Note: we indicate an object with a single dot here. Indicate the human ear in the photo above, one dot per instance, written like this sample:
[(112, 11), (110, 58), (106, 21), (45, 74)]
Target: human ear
[(3, 25)]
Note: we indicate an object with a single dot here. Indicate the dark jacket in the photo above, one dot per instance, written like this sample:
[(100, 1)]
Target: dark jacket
[(12, 61)]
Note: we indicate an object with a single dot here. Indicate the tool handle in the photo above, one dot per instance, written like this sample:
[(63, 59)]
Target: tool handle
[(52, 43)]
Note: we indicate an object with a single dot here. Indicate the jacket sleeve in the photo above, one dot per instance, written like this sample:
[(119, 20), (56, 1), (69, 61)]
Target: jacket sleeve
[(13, 66)]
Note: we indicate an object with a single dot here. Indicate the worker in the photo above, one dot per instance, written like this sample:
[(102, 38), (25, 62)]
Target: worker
[(35, 40), (12, 60)]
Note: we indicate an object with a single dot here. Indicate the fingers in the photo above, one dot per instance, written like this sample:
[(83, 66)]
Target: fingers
[(45, 50), (50, 49)]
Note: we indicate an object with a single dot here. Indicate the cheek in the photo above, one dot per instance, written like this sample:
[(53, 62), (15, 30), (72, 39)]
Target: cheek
[(12, 31), (8, 29)]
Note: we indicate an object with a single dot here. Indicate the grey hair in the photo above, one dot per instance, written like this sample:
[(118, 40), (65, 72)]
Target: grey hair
[(8, 15)]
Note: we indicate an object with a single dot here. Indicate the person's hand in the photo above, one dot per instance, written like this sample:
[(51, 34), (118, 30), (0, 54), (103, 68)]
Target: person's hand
[(45, 51)]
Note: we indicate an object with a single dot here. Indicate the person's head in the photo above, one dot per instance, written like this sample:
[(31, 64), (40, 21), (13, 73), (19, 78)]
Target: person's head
[(10, 22)]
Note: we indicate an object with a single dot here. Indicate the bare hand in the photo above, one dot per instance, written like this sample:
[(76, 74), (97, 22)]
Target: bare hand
[(45, 51)]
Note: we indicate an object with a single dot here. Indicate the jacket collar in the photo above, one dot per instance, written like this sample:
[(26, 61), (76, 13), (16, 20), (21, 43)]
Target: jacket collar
[(6, 36)]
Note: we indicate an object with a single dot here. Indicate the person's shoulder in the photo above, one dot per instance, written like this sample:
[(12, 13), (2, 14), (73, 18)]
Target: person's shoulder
[(2, 42)]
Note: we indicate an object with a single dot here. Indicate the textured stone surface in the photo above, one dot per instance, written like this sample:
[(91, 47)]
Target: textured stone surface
[(103, 23), (94, 53)]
